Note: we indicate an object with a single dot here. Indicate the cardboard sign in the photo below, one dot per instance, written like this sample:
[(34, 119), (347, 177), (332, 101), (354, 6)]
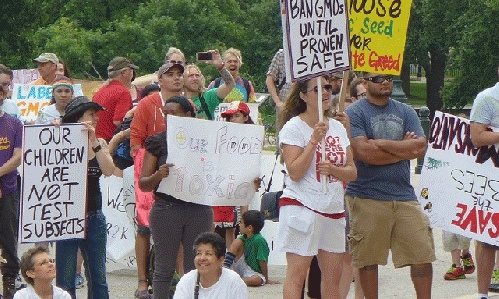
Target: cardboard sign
[(378, 31), (54, 186), (316, 37), (215, 162), (32, 98), (118, 205), (459, 185)]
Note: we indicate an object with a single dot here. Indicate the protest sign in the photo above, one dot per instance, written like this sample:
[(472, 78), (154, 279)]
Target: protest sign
[(459, 185), (215, 162), (25, 76), (222, 107), (316, 37), (118, 205), (54, 183), (378, 31), (32, 98)]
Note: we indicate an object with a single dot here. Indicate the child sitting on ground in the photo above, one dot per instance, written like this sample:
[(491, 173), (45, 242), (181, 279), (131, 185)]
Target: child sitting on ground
[(250, 250)]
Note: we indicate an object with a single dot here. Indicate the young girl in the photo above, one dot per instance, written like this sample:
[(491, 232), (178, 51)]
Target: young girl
[(226, 218)]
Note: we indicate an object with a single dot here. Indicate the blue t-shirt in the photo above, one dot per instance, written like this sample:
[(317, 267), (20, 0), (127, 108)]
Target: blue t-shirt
[(391, 121)]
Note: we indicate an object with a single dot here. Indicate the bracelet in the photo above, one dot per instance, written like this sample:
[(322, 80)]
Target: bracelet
[(313, 142), (97, 148)]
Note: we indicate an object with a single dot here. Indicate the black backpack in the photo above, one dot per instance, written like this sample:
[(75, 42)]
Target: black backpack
[(247, 86), (121, 156)]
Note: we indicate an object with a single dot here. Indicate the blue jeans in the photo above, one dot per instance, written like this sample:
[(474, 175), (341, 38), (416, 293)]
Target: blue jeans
[(93, 250)]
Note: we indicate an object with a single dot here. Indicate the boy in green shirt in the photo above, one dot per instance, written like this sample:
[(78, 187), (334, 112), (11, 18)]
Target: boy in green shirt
[(250, 250)]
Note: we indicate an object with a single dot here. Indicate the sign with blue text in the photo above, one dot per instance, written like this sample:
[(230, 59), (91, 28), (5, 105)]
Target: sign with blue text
[(215, 163), (54, 183)]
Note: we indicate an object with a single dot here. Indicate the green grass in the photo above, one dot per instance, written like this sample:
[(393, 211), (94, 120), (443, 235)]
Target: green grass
[(418, 93)]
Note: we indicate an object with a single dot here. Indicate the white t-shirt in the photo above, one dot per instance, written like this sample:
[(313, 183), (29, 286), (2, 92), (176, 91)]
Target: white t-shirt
[(29, 293), (308, 190), (229, 286), (47, 114), (486, 107)]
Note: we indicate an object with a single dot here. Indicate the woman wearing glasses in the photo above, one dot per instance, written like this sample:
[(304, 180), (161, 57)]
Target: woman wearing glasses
[(312, 218)]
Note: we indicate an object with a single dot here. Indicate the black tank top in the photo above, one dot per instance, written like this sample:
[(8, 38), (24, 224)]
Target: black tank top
[(94, 196)]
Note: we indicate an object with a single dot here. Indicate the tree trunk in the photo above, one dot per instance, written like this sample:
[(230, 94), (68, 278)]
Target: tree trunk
[(435, 80), (405, 76)]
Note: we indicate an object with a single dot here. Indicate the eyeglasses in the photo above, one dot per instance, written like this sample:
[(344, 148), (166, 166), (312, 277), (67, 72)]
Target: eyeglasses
[(380, 79), (326, 87), (177, 62)]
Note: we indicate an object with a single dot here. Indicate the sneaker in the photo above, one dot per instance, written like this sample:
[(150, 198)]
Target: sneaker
[(79, 281), (468, 264), (454, 273)]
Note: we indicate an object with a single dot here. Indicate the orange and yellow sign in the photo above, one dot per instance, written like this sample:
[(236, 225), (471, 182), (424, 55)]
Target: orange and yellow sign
[(378, 30)]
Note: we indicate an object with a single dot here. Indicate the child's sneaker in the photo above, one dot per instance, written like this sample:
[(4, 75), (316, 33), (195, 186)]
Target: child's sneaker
[(468, 264), (454, 273)]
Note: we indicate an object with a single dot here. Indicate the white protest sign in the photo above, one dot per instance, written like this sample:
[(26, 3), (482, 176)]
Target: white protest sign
[(25, 76), (215, 162), (54, 187), (459, 185), (222, 107), (32, 98), (119, 211), (316, 37)]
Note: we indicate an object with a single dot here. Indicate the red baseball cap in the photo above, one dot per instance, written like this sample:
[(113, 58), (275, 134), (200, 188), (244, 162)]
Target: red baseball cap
[(235, 107)]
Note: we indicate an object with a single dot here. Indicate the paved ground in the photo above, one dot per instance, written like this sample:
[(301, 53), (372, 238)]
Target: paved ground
[(393, 283)]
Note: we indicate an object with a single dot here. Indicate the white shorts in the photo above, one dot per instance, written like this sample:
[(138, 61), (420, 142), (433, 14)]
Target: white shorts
[(454, 241), (304, 232), (245, 271)]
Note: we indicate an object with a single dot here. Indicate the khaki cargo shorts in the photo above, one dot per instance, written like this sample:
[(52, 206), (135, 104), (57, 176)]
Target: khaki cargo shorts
[(377, 226)]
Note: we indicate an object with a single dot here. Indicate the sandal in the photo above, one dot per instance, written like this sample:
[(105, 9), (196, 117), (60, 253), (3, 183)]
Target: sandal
[(142, 294)]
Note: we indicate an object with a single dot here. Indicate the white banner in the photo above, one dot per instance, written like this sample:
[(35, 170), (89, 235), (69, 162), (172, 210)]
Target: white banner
[(118, 205), (32, 98), (54, 183), (215, 162), (316, 37), (459, 185)]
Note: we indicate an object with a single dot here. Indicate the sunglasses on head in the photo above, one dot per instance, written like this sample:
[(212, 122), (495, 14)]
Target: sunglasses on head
[(326, 87), (380, 78)]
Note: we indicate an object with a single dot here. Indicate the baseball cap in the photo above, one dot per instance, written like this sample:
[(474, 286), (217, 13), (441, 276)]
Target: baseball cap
[(77, 106), (167, 66), (119, 63), (235, 107), (46, 57)]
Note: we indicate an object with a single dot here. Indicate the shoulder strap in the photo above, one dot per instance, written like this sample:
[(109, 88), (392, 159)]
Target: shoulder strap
[(196, 287), (247, 87), (281, 84), (272, 173), (205, 107)]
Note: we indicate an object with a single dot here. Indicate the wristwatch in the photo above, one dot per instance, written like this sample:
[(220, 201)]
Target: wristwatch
[(97, 148)]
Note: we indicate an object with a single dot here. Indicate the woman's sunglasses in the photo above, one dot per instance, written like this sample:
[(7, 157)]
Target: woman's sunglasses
[(326, 87)]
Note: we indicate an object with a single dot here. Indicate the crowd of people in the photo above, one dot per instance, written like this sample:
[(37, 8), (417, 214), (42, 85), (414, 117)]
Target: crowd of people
[(347, 199)]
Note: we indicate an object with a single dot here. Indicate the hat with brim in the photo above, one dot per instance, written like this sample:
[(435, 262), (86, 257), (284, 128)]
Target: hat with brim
[(47, 57), (77, 107), (236, 107), (167, 66), (119, 63)]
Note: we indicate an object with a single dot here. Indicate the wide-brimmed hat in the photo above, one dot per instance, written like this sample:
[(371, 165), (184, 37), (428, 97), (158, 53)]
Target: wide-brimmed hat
[(46, 57), (119, 63), (167, 66), (235, 107), (77, 106)]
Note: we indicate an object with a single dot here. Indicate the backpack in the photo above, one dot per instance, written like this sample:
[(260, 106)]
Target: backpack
[(247, 86), (121, 156), (205, 107)]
